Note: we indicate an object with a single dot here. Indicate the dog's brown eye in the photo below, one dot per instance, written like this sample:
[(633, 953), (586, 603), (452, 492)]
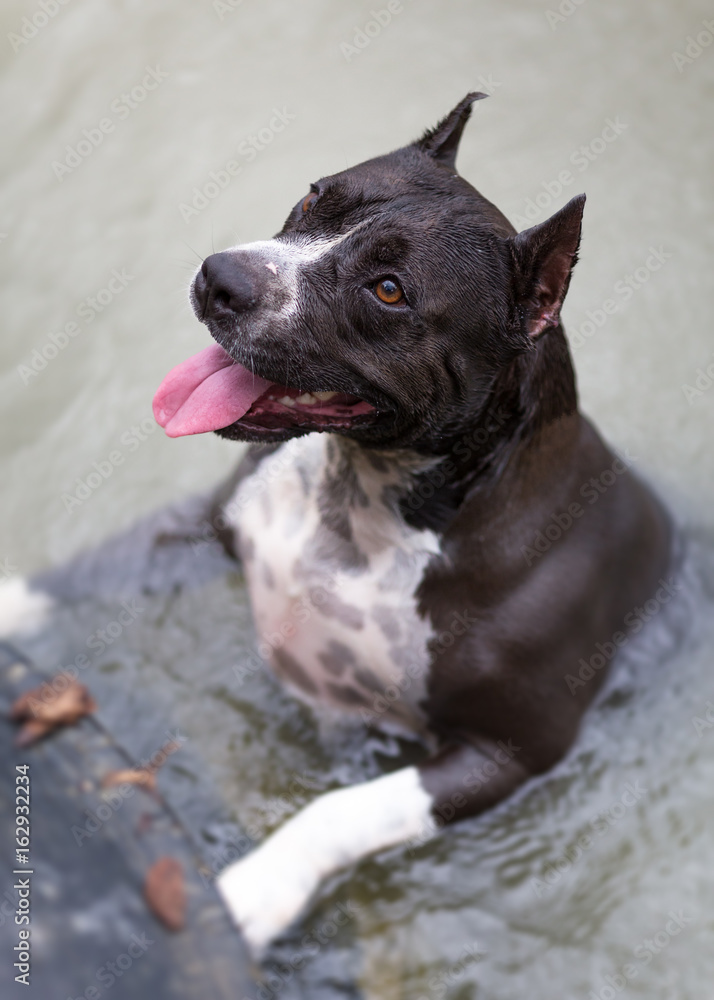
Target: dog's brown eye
[(389, 291), (309, 201)]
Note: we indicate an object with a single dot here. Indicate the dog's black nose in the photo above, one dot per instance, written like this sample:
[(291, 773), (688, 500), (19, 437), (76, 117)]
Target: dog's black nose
[(228, 285)]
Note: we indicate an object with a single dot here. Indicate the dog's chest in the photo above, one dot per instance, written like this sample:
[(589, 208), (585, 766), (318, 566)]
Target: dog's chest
[(332, 570)]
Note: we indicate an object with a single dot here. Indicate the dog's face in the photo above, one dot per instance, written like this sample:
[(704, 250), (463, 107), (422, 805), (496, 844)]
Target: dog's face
[(386, 306)]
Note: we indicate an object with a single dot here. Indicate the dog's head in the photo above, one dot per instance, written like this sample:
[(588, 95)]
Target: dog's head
[(384, 310)]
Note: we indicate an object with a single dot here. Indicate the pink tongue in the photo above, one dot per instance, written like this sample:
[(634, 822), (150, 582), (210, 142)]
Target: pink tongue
[(206, 392)]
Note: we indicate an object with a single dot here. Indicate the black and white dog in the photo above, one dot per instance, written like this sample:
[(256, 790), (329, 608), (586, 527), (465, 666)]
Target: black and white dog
[(396, 355)]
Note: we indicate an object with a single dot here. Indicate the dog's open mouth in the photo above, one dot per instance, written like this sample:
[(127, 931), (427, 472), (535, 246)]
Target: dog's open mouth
[(211, 391)]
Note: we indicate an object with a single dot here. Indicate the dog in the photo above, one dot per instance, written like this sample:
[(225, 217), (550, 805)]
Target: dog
[(432, 534), (445, 536)]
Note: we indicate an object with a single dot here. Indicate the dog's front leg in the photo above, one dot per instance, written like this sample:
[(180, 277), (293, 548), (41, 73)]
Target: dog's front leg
[(269, 888)]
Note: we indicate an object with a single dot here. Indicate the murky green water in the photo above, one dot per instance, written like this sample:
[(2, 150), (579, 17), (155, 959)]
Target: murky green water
[(508, 906)]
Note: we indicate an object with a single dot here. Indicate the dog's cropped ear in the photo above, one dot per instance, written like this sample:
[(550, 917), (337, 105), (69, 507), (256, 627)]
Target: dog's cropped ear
[(544, 257), (442, 141)]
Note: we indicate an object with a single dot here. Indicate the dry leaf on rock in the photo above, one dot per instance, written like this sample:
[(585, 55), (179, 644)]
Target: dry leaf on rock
[(59, 702), (165, 892), (131, 776), (146, 775)]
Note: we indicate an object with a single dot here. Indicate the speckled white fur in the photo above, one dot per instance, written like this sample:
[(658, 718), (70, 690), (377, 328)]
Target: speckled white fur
[(292, 580), (296, 563)]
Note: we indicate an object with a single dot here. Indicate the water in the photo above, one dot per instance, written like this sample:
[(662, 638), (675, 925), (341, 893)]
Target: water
[(472, 914)]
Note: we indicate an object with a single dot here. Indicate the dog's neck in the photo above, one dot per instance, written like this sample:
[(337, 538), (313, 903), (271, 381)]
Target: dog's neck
[(534, 391)]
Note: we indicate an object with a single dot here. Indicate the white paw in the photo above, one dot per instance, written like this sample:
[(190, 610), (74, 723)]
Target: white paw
[(267, 890), (264, 894), (22, 610)]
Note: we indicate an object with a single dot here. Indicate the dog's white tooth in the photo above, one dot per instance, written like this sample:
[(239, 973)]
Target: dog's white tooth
[(325, 395), (307, 399), (272, 267), (287, 401)]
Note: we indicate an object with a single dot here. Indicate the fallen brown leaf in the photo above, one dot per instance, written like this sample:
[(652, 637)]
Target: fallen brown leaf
[(31, 732), (57, 702), (131, 776), (165, 892), (144, 776), (167, 749)]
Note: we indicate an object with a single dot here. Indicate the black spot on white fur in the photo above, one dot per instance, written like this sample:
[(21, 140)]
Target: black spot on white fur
[(337, 657), (291, 669), (331, 606)]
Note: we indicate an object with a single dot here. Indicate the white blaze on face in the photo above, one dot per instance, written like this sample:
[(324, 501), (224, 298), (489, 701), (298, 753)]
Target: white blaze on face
[(288, 259), (267, 890)]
